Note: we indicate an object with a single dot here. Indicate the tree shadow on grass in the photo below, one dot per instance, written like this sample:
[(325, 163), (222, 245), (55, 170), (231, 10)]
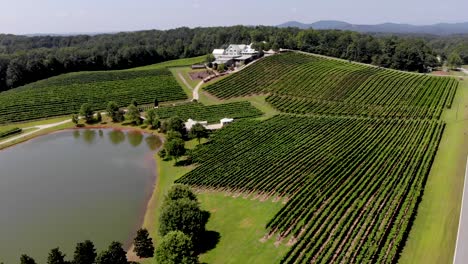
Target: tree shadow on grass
[(183, 163), (208, 241)]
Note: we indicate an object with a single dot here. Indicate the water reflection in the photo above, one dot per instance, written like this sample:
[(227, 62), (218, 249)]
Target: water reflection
[(116, 137), (76, 134), (135, 138), (153, 142), (89, 136)]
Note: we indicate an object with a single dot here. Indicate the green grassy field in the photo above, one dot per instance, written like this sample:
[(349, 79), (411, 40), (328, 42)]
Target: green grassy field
[(432, 238), (241, 224), (240, 230)]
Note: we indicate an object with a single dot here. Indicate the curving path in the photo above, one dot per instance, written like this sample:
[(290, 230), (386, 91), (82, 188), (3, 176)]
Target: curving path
[(461, 247), (37, 129)]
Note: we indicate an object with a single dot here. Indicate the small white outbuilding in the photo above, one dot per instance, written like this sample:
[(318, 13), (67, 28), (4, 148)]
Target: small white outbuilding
[(190, 123), (226, 121)]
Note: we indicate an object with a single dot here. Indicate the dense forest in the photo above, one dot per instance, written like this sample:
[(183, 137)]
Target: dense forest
[(27, 59)]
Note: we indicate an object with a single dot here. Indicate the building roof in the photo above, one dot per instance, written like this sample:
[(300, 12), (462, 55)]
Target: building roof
[(244, 57), (227, 120), (218, 51)]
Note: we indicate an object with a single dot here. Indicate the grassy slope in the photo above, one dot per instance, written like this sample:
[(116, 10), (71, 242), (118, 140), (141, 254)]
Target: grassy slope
[(432, 238), (206, 99), (240, 223), (239, 228)]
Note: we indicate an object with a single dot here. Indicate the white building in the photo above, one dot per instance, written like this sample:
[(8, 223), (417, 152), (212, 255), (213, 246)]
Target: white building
[(235, 53), (190, 123)]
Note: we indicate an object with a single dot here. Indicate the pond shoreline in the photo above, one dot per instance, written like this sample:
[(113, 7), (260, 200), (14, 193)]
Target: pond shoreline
[(151, 197)]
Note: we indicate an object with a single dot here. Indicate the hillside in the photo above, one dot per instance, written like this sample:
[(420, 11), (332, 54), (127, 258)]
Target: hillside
[(435, 29), (66, 93), (349, 158), (308, 84)]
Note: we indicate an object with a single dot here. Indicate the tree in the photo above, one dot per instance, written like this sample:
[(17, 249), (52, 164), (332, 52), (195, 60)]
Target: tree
[(112, 110), (115, 254), (175, 148), (183, 215), (85, 253), (25, 259), (173, 135), (198, 131), (133, 114), (454, 61), (87, 112), (98, 117), (143, 244), (134, 102), (56, 257), (175, 248), (180, 191), (75, 119), (174, 124), (221, 67), (152, 118), (156, 102)]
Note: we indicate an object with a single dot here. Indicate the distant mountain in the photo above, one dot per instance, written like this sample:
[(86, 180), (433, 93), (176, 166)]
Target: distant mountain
[(435, 29)]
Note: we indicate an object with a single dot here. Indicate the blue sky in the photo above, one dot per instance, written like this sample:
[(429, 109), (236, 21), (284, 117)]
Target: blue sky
[(61, 16)]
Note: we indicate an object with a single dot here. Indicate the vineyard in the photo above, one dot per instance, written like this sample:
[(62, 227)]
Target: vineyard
[(65, 94), (211, 113), (351, 185), (9, 132), (307, 84)]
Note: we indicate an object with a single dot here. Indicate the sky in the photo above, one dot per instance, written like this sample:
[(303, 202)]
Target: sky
[(75, 16)]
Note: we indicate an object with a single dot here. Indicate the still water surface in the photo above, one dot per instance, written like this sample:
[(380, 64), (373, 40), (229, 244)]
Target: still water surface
[(66, 187)]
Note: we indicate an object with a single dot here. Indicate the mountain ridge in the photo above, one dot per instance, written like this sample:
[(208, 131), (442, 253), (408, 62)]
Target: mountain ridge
[(434, 29)]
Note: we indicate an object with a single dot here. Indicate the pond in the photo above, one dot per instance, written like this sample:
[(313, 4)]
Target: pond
[(66, 187)]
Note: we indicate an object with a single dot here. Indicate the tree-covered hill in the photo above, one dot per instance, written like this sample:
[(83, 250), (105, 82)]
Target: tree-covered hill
[(27, 59)]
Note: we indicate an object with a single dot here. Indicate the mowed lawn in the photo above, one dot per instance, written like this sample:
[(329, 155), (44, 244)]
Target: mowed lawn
[(240, 222), (433, 235)]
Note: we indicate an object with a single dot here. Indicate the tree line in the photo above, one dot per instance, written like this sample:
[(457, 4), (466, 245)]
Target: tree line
[(27, 59)]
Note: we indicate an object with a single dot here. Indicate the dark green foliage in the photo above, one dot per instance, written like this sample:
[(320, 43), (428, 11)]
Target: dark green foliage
[(56, 257), (98, 117), (143, 244), (9, 132), (179, 191), (176, 248), (174, 123), (75, 119), (183, 215), (162, 153), (133, 114), (170, 135), (25, 259), (46, 56), (115, 254), (198, 131), (87, 112), (152, 119), (454, 61), (113, 112), (210, 113), (175, 148), (156, 102), (134, 102), (85, 253)]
